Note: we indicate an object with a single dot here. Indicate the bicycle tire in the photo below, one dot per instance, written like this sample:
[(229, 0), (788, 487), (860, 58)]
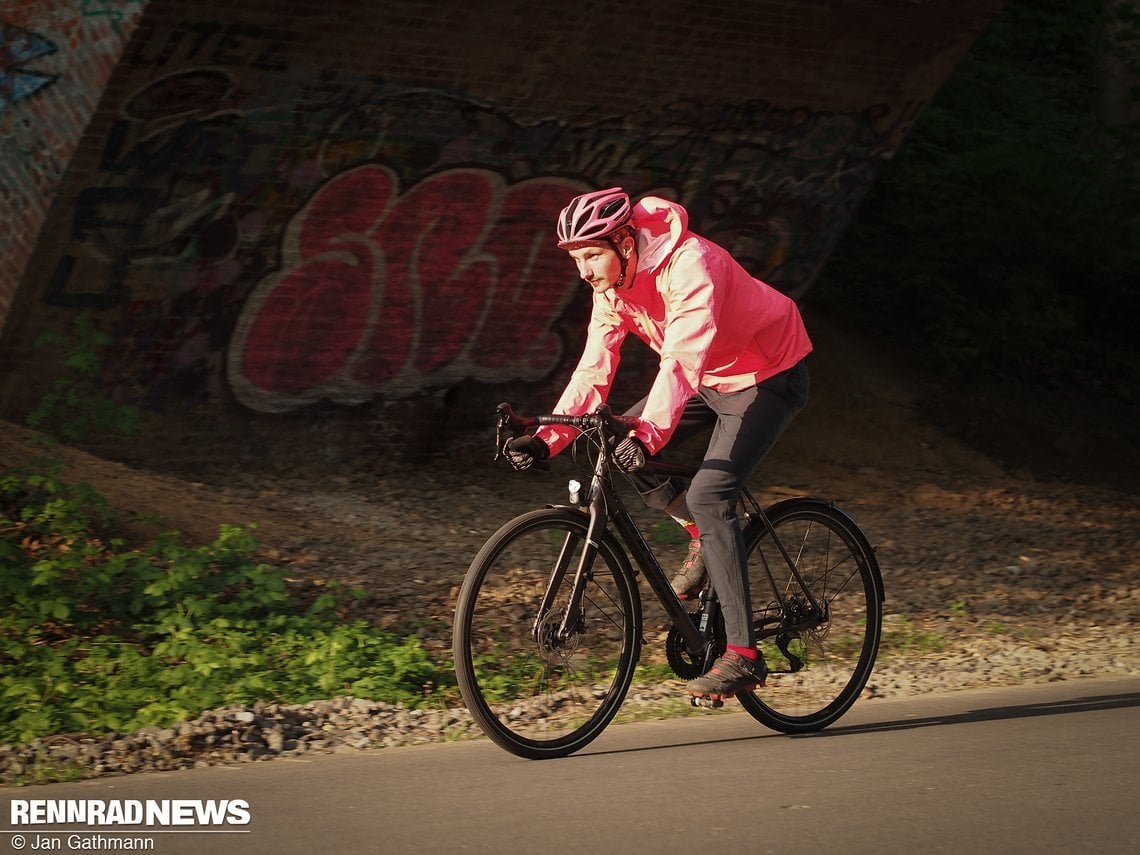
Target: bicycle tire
[(543, 697), (837, 656)]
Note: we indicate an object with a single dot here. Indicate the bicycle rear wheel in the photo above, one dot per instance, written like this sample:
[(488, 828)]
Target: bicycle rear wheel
[(536, 692), (819, 661)]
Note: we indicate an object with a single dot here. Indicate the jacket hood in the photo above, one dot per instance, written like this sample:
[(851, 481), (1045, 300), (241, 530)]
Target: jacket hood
[(660, 226)]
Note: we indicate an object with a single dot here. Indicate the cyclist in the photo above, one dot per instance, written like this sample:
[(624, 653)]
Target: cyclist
[(731, 353)]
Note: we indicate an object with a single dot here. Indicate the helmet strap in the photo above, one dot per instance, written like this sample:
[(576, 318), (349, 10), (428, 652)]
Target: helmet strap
[(624, 262)]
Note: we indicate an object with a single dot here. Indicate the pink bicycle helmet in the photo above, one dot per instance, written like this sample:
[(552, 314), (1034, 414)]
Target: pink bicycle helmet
[(591, 218)]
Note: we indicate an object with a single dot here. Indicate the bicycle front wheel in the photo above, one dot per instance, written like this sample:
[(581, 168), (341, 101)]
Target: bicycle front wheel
[(820, 654), (543, 678)]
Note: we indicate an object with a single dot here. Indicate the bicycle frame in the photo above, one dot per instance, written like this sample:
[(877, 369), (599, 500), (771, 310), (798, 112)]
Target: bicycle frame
[(549, 687), (605, 506)]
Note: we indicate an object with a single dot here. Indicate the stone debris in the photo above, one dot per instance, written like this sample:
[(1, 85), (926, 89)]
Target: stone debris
[(234, 735)]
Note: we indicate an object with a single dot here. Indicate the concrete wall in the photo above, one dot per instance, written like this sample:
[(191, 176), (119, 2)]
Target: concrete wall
[(289, 212)]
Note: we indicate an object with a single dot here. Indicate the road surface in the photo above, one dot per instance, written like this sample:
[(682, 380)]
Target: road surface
[(1035, 769)]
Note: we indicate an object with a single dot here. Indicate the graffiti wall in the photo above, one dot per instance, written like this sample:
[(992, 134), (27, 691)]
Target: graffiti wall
[(55, 59), (269, 216)]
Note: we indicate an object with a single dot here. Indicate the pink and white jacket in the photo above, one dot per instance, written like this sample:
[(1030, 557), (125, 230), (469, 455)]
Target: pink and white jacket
[(711, 323)]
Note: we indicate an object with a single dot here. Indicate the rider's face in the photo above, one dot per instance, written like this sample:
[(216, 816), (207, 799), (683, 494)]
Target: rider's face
[(599, 267)]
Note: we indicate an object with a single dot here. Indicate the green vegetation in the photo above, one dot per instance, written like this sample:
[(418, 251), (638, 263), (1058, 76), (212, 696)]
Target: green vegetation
[(902, 637), (1001, 239), (97, 637), (76, 408), (666, 533)]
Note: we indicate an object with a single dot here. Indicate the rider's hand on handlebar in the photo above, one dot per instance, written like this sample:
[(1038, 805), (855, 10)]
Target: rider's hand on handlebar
[(630, 454), (523, 452)]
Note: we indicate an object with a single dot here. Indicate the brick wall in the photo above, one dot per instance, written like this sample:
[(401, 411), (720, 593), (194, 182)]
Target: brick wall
[(55, 59), (287, 214)]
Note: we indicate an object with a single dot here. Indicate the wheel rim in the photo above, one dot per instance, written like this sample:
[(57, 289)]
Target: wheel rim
[(819, 660), (536, 691)]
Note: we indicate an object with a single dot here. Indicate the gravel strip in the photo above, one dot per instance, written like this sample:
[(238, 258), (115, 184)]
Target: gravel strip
[(235, 735)]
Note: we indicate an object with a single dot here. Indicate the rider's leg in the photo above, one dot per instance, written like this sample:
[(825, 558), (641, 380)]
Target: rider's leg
[(748, 425), (668, 495)]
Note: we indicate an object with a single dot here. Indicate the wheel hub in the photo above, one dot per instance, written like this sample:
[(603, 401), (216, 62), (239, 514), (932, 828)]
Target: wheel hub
[(551, 646)]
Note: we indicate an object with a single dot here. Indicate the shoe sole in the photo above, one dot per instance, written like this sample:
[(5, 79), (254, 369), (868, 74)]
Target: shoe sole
[(725, 696)]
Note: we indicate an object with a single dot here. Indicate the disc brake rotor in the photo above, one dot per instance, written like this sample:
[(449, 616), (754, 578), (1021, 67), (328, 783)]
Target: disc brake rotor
[(551, 648)]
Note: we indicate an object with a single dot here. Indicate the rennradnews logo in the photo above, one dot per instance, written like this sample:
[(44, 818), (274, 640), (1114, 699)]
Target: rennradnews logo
[(139, 812)]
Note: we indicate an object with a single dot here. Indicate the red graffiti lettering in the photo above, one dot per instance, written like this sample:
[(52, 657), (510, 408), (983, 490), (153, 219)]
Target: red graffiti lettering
[(434, 227), (310, 322), (387, 294), (352, 203), (519, 318)]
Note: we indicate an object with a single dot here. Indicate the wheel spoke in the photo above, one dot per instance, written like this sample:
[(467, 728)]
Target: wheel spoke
[(549, 695), (837, 648)]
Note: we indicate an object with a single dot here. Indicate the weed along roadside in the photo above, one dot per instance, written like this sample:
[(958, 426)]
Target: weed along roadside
[(103, 638)]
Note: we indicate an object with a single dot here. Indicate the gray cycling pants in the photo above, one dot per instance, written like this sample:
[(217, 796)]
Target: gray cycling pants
[(745, 425)]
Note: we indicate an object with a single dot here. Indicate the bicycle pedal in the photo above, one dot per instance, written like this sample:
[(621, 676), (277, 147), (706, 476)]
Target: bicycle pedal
[(708, 703)]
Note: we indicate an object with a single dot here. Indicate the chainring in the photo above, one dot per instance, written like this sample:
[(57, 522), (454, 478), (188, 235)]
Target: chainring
[(677, 652)]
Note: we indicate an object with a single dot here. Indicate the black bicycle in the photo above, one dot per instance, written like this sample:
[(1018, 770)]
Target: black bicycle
[(548, 626)]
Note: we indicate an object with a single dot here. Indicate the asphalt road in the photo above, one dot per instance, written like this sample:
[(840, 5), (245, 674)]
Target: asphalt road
[(1037, 769)]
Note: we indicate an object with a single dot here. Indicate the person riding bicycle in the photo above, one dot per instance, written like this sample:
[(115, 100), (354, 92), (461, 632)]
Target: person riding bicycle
[(732, 352)]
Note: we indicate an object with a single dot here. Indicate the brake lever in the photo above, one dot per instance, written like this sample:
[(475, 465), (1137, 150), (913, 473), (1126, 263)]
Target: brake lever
[(499, 425), (505, 419), (505, 431)]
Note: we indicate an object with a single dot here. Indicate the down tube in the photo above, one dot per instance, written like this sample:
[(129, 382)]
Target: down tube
[(660, 586)]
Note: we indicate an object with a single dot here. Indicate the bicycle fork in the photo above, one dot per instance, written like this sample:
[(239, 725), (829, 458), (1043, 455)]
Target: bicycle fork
[(571, 616)]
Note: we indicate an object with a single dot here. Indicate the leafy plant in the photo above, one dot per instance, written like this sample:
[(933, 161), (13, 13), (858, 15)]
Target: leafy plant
[(99, 637), (668, 533), (901, 637), (76, 407)]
